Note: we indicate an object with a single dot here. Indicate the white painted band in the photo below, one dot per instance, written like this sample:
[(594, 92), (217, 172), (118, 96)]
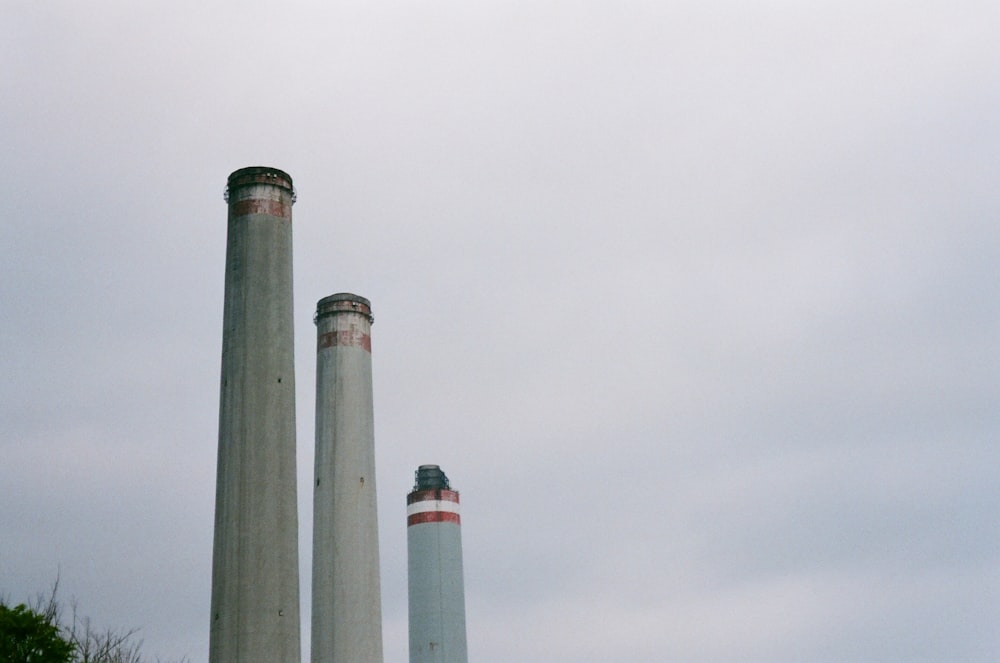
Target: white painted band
[(431, 505)]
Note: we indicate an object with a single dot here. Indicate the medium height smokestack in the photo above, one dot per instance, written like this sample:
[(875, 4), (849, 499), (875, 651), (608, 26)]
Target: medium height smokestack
[(347, 608), (437, 589), (255, 566)]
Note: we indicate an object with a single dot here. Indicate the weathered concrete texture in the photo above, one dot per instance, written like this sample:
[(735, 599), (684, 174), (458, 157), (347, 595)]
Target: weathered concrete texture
[(346, 595), (255, 567), (436, 584)]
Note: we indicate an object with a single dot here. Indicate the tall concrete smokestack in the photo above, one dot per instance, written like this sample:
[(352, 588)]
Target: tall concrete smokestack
[(437, 589), (255, 566), (347, 607)]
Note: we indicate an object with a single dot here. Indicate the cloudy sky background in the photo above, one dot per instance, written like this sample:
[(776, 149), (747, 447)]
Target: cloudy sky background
[(695, 302)]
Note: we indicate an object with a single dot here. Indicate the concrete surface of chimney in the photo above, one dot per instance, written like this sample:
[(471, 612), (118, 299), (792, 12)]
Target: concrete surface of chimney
[(255, 565), (346, 600), (436, 584)]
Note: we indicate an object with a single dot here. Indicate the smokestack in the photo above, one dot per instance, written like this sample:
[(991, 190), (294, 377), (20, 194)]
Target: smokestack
[(255, 565), (437, 590), (347, 608)]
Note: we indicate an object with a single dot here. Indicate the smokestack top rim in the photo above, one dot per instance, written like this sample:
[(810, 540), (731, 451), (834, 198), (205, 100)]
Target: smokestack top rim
[(258, 170), (430, 477), (343, 302), (252, 175), (343, 297)]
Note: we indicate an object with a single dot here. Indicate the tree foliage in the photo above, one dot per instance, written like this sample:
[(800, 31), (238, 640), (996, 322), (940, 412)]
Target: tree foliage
[(38, 634), (27, 636)]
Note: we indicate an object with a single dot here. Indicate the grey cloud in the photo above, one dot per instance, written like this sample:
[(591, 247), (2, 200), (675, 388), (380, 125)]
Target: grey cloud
[(695, 304)]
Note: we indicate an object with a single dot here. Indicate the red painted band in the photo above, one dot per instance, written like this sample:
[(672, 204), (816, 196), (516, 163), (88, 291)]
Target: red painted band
[(433, 517), (439, 494), (258, 206), (349, 338)]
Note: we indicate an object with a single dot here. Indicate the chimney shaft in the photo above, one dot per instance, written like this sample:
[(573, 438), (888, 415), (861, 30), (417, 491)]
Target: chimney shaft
[(255, 570), (347, 608), (436, 585)]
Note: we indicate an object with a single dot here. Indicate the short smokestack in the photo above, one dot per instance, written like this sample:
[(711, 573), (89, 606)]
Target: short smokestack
[(255, 565), (347, 609), (436, 585)]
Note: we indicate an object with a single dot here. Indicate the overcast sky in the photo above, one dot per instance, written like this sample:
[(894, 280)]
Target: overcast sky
[(696, 303)]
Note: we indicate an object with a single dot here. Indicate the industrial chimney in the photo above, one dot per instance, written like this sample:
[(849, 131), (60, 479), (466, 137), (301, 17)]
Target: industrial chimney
[(437, 590), (255, 565), (347, 609)]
